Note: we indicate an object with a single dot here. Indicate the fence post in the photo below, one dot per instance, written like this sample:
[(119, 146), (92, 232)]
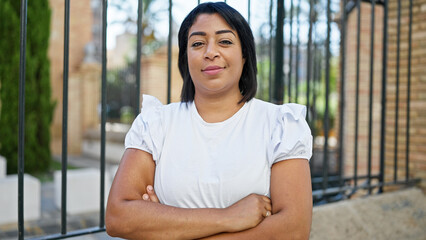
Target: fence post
[(21, 137), (342, 91), (407, 131), (138, 57), (169, 54), (65, 118), (327, 93), (279, 58)]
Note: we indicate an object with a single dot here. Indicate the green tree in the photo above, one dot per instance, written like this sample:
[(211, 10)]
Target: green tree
[(38, 104)]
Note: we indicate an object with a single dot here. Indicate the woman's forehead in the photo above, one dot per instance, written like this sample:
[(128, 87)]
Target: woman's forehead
[(213, 20)]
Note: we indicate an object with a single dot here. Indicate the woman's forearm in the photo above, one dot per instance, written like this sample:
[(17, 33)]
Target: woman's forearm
[(277, 226), (139, 219), (135, 219)]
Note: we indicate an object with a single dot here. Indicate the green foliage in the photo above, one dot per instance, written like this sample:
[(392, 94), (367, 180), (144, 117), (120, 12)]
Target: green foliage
[(38, 104), (321, 99), (263, 79), (319, 90)]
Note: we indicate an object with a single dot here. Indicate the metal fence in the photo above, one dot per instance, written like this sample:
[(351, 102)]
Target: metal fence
[(295, 56)]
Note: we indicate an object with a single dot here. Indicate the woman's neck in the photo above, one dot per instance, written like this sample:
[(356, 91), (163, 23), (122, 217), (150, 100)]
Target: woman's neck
[(217, 109)]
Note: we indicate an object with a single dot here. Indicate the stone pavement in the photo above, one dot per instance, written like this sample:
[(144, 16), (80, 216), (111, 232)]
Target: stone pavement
[(399, 215)]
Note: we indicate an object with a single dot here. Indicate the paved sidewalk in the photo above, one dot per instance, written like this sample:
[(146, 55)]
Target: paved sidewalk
[(389, 216)]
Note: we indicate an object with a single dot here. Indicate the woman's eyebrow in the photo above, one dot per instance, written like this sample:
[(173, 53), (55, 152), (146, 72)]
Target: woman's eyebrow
[(217, 32), (197, 33), (225, 31)]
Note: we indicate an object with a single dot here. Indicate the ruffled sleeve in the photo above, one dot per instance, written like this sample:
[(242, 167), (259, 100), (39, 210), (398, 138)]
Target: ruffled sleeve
[(291, 137), (146, 132)]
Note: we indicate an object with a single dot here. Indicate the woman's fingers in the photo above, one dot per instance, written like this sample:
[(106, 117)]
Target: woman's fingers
[(267, 214), (146, 197), (268, 210), (268, 207), (151, 193), (150, 196), (266, 199)]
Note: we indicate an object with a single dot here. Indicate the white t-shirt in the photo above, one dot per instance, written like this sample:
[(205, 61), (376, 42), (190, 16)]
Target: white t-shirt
[(213, 165)]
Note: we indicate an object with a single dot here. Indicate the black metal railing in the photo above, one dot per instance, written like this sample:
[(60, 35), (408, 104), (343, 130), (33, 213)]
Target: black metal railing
[(65, 119), (21, 140), (310, 85)]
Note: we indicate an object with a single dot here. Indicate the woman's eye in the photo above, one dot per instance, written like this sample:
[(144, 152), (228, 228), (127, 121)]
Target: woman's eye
[(196, 44), (226, 42)]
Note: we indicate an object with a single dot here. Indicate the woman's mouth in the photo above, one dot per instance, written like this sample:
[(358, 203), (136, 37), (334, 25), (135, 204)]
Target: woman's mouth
[(212, 70)]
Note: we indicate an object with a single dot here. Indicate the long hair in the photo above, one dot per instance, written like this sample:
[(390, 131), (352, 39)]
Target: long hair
[(248, 80)]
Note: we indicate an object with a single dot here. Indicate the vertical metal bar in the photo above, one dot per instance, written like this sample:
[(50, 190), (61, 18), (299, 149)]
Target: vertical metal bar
[(342, 91), (21, 123), (327, 92), (103, 113), (309, 73), (398, 50), (198, 1), (358, 47), (316, 79), (249, 11), (383, 100), (309, 64), (138, 56), (169, 56), (297, 52), (284, 55), (370, 114), (290, 65), (65, 119), (261, 66), (279, 54), (407, 133), (271, 26)]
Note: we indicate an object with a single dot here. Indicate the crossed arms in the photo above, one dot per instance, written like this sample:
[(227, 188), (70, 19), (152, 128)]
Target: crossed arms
[(130, 216)]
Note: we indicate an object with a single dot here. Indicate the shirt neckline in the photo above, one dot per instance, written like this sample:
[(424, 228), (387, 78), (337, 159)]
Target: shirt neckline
[(226, 121)]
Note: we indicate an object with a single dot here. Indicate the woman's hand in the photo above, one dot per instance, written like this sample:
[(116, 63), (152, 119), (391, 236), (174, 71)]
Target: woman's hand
[(248, 212)]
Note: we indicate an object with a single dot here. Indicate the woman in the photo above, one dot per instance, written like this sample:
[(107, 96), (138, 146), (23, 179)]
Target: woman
[(212, 166)]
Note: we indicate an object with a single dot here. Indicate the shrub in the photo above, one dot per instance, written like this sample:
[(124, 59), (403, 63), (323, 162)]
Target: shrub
[(38, 104)]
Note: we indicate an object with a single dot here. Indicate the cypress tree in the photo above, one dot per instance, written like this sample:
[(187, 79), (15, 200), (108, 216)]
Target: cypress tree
[(38, 104)]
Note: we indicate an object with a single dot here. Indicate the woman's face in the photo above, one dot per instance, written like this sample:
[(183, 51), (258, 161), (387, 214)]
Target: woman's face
[(215, 58)]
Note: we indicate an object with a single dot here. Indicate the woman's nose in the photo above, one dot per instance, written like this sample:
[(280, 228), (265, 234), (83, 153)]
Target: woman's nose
[(211, 52)]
